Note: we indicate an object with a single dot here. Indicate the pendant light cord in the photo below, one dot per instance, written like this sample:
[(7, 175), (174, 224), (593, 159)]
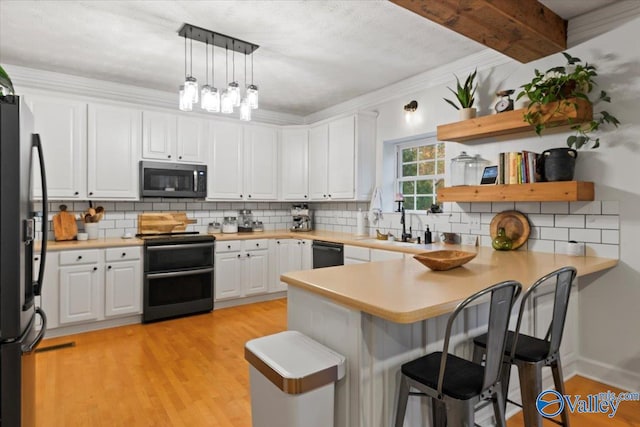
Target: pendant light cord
[(190, 54), (233, 48), (213, 61), (226, 62), (206, 52), (251, 68), (185, 54), (245, 67)]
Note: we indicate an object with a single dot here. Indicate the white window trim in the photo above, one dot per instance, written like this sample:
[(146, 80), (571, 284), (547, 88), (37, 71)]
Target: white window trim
[(432, 140)]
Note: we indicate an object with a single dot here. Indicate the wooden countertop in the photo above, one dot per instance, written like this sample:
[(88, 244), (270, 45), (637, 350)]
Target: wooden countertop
[(91, 244), (405, 291)]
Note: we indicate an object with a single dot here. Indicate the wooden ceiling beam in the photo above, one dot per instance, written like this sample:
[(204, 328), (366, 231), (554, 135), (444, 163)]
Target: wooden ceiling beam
[(524, 30)]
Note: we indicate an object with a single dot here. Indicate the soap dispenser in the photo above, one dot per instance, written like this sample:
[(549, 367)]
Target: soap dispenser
[(427, 236)]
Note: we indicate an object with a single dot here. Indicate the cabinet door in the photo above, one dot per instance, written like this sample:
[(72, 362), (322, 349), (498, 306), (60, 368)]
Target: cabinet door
[(226, 161), (123, 288), (318, 158), (283, 256), (192, 140), (114, 146), (307, 255), (228, 276), (158, 135), (255, 272), (294, 167), (341, 172), (261, 160), (62, 127), (382, 255), (79, 293)]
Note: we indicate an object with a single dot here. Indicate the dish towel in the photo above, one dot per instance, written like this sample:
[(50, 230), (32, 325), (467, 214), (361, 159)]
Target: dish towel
[(375, 208)]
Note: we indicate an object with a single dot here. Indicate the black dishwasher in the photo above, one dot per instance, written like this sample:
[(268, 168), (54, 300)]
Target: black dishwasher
[(327, 254)]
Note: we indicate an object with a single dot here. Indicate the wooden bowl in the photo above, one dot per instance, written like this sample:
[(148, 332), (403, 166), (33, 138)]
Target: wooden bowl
[(445, 259)]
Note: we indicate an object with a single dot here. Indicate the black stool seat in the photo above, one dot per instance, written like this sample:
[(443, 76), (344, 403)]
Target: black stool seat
[(528, 348), (462, 378)]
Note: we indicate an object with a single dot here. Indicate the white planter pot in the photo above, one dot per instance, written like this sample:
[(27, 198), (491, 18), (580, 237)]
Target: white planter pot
[(467, 113), (91, 228)]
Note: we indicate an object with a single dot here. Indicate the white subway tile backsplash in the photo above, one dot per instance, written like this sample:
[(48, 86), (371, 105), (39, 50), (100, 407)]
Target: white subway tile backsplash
[(584, 235), (481, 207), (549, 233), (571, 221), (485, 241), (528, 207), (604, 251), (124, 206), (554, 207), (461, 207), (454, 217), (143, 206), (540, 220), (460, 228), (611, 237), (124, 223), (114, 215), (541, 246), (502, 206), (593, 208), (161, 206), (485, 218), (610, 207), (610, 222)]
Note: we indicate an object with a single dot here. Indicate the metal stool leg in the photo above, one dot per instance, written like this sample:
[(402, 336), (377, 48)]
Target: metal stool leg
[(460, 413), (530, 387), (558, 380), (498, 409), (403, 397), (439, 413)]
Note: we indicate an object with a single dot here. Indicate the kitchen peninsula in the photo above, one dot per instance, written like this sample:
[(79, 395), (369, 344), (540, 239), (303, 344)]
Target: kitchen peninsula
[(382, 314)]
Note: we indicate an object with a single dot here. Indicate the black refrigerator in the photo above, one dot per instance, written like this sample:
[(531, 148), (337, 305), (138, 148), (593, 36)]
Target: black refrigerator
[(20, 333)]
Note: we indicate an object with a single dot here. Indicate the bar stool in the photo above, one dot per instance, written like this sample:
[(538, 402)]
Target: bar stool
[(454, 384), (530, 354)]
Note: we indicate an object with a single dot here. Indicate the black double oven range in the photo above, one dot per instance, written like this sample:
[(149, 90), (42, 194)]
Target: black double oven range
[(178, 275)]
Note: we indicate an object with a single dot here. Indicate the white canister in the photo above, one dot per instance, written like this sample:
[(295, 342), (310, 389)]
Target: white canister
[(91, 228), (360, 223), (575, 248)]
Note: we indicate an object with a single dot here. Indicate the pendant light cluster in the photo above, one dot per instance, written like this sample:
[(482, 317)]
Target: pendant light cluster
[(211, 99)]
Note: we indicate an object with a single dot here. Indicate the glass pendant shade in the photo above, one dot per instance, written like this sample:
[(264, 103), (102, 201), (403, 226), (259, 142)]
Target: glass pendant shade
[(185, 103), (214, 105), (245, 110), (205, 97), (226, 102), (191, 88), (252, 96), (234, 90)]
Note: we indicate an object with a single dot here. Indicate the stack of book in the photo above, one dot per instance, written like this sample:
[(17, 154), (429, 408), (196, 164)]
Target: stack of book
[(517, 168)]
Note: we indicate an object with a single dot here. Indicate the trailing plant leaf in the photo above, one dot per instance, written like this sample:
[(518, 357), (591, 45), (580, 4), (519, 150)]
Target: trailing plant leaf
[(5, 82)]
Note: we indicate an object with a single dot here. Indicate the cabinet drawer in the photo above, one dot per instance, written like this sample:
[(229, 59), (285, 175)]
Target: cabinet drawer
[(228, 246), (122, 254), (79, 257), (256, 244), (357, 252)]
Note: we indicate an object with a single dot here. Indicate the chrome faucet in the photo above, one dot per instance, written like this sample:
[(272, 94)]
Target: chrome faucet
[(405, 236)]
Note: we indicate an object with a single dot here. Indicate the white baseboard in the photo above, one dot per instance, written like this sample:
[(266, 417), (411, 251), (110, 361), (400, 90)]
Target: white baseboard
[(249, 300), (609, 374)]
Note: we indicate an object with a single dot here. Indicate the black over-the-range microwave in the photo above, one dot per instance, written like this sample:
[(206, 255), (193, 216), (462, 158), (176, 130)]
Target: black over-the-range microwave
[(159, 179)]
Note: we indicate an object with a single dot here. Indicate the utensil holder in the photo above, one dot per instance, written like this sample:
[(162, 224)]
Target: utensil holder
[(91, 228)]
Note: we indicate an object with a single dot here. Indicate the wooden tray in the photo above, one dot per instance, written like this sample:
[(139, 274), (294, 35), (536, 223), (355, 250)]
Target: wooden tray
[(445, 259), (159, 222), (64, 225), (515, 224)]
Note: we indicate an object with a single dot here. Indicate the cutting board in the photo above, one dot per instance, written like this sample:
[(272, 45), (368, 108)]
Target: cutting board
[(64, 225), (515, 224), (152, 223)]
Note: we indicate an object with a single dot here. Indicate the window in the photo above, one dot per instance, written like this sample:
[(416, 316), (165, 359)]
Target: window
[(420, 173)]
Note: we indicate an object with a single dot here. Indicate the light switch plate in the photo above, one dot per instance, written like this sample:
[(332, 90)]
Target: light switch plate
[(470, 240)]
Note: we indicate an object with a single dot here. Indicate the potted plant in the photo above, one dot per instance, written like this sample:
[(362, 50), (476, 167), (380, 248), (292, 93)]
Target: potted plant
[(465, 95), (551, 95), (6, 87)]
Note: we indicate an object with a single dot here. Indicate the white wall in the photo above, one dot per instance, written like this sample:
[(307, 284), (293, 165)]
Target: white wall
[(609, 314)]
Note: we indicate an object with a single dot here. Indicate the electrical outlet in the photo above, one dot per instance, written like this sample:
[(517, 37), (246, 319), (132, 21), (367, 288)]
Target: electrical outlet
[(474, 222)]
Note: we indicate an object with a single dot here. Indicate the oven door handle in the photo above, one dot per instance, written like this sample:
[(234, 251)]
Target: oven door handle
[(179, 273), (182, 246)]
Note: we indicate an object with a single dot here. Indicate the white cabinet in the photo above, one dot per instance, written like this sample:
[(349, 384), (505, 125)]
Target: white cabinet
[(356, 255), (226, 161), (342, 158), (81, 284), (159, 133), (113, 152), (61, 124), (123, 278), (261, 163), (294, 166), (242, 268), (290, 255), (382, 255), (192, 141)]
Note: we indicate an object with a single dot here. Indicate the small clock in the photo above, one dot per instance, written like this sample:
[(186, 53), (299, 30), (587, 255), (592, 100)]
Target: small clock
[(505, 103)]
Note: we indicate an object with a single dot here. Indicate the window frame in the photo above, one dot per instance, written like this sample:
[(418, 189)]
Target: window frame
[(399, 179)]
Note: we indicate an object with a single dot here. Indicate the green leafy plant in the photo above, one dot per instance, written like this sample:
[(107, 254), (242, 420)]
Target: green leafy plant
[(563, 85), (5, 83), (464, 93)]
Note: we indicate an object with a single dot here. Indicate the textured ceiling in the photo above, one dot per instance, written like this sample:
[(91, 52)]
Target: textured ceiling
[(313, 54)]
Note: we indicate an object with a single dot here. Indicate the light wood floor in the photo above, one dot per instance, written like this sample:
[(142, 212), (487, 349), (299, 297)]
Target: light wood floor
[(186, 372)]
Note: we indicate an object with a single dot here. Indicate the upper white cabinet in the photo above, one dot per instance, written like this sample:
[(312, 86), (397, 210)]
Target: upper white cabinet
[(113, 152), (171, 137), (61, 124), (226, 161), (260, 161), (294, 166), (342, 158)]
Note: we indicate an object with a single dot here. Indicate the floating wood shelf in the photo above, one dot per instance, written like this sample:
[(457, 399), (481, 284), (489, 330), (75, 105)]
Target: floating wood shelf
[(511, 122), (562, 191)]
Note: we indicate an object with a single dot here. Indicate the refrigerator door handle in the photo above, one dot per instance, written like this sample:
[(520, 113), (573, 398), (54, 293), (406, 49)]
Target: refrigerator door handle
[(28, 348), (37, 286)]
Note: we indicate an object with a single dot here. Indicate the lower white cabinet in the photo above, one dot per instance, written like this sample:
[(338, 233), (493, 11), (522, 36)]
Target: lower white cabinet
[(242, 268), (356, 255), (91, 285), (290, 255)]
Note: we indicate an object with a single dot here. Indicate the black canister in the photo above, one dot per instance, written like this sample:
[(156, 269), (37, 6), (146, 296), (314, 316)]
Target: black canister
[(557, 164)]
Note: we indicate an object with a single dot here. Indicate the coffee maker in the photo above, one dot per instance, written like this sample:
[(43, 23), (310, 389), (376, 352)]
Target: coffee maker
[(301, 217)]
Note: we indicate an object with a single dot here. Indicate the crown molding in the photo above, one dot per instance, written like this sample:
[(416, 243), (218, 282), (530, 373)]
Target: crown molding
[(482, 60), (592, 24), (34, 79)]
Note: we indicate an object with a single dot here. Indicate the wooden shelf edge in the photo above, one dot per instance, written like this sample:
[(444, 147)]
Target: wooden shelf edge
[(511, 122), (562, 191)]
